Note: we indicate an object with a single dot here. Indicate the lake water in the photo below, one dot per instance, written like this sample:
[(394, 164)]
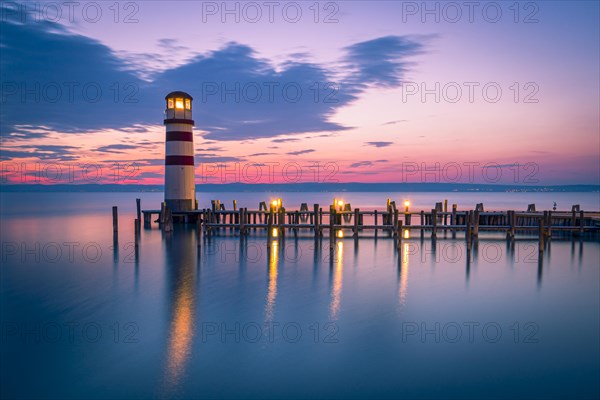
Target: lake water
[(232, 319)]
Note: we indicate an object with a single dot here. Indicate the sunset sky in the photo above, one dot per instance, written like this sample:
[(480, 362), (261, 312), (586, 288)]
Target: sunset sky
[(88, 89)]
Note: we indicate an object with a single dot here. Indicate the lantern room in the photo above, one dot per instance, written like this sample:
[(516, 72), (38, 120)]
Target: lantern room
[(179, 105)]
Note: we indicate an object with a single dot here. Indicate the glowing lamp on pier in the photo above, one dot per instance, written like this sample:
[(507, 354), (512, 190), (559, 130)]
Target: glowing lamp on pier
[(275, 233), (340, 233), (406, 205), (275, 204)]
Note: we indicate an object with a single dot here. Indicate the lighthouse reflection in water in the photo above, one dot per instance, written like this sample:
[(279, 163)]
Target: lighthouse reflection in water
[(181, 280)]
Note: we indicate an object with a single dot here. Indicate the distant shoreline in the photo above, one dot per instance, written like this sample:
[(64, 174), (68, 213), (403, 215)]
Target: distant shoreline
[(309, 187)]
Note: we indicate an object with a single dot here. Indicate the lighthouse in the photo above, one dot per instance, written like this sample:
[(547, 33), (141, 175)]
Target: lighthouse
[(180, 189)]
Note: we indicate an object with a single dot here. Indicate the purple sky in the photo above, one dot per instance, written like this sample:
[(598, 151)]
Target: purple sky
[(386, 88)]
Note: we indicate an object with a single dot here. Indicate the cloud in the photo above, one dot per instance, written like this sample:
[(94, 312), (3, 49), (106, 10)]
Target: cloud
[(211, 158), (361, 164), (285, 140), (366, 163), (116, 148), (66, 82), (297, 153), (395, 122), (379, 144), (237, 94), (381, 62), (148, 174), (42, 152)]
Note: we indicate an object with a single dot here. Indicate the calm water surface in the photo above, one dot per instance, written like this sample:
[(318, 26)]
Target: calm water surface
[(231, 318)]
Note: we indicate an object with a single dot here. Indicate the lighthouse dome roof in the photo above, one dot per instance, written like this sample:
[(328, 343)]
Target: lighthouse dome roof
[(178, 94)]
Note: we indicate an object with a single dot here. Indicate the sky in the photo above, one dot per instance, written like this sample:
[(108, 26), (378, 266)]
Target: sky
[(344, 91)]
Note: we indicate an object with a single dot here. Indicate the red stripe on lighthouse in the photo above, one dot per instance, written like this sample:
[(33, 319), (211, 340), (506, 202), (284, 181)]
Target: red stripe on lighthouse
[(179, 160), (180, 136), (178, 121)]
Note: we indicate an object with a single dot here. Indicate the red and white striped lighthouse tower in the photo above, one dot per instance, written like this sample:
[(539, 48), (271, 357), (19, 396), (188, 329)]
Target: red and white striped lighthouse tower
[(180, 189)]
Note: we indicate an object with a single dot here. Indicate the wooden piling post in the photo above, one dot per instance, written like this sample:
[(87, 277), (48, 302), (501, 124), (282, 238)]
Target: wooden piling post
[(168, 225), (574, 209), (375, 220), (304, 213), (468, 229), (138, 206), (511, 223), (399, 238), (115, 215), (396, 221), (281, 222), (332, 218), (147, 220), (161, 217), (434, 223), (548, 223), (270, 226), (445, 211), (321, 221), (241, 221), (453, 220), (581, 222), (541, 234), (356, 216), (199, 231), (136, 237), (476, 224), (316, 219), (387, 218)]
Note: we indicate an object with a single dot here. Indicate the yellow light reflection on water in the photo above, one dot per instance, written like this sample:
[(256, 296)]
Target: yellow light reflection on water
[(403, 275), (334, 306), (406, 234), (272, 289), (181, 331), (275, 232)]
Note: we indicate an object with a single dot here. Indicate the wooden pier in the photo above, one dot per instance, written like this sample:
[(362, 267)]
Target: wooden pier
[(340, 220)]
